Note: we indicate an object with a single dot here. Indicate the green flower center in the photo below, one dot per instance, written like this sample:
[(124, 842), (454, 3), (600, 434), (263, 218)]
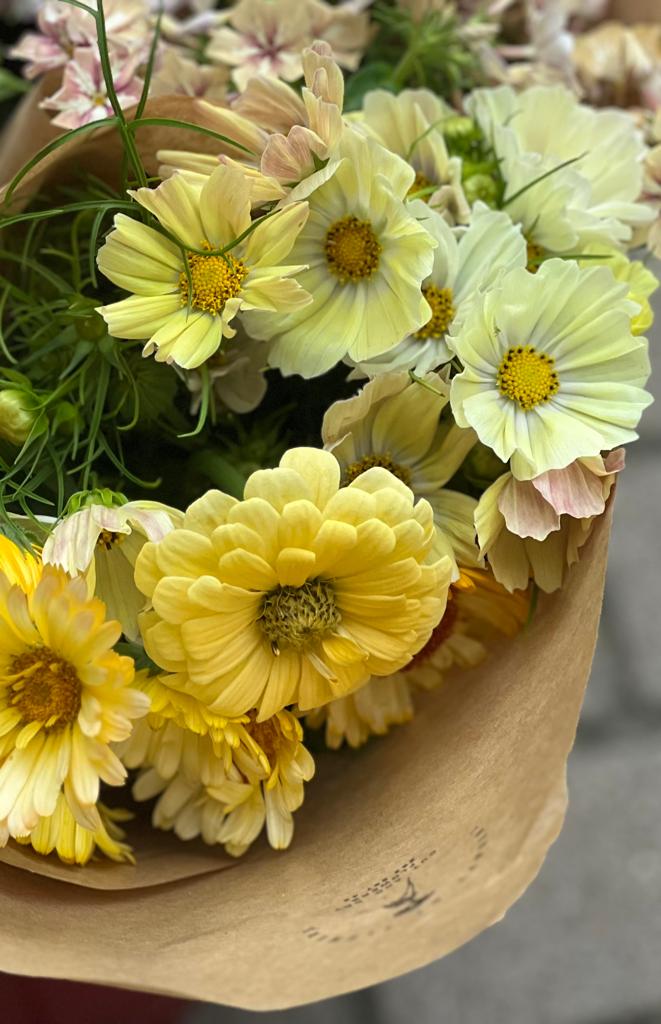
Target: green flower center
[(352, 249), (442, 312), (298, 617), (527, 376), (45, 688), (213, 280)]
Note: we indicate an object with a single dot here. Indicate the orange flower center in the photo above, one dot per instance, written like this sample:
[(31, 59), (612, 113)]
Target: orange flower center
[(352, 249), (442, 312), (45, 688)]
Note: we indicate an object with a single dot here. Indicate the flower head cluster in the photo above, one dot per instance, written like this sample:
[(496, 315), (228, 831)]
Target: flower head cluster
[(65, 697)]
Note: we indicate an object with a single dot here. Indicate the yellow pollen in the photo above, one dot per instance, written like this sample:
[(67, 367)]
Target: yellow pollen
[(352, 249), (527, 376), (108, 538), (45, 688), (353, 471), (535, 253), (215, 279), (298, 617), (442, 312), (419, 182)]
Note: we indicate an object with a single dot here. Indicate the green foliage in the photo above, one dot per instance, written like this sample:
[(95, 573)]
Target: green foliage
[(434, 52)]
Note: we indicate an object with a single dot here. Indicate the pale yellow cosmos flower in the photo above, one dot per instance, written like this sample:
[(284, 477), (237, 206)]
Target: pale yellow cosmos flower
[(183, 307), (552, 372)]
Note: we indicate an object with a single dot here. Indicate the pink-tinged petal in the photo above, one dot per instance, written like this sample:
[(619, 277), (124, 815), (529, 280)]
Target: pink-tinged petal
[(574, 491), (525, 511), (614, 461)]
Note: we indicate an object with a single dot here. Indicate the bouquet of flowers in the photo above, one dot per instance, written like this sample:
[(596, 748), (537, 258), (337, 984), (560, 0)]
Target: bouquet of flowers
[(314, 388)]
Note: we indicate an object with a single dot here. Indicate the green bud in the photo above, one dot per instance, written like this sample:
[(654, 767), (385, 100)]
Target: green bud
[(482, 466), (98, 496), (481, 186), (92, 327), (462, 136), (17, 415)]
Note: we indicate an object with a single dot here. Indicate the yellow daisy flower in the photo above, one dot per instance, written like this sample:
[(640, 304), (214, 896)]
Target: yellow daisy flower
[(252, 791), (640, 279), (65, 695), (299, 592), (370, 711), (19, 567), (73, 843), (366, 257), (183, 307), (551, 372), (374, 429)]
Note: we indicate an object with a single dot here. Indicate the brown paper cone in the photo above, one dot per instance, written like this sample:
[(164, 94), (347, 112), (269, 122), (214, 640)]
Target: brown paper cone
[(403, 850)]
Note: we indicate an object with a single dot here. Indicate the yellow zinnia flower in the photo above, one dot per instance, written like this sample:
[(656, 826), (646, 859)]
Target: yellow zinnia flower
[(65, 695), (73, 843), (184, 307), (299, 592)]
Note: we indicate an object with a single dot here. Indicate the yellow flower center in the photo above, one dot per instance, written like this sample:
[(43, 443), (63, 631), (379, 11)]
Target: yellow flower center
[(108, 538), (527, 376), (353, 471), (535, 254), (352, 249), (214, 279), (298, 616), (442, 312), (45, 688), (419, 182)]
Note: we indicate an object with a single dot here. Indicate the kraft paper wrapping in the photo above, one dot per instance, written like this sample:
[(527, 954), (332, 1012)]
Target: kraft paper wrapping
[(403, 850)]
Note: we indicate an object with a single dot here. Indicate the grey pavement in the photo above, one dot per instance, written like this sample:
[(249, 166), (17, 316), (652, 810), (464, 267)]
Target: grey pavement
[(583, 945)]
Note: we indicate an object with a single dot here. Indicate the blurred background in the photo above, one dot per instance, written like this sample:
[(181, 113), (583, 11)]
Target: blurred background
[(583, 945)]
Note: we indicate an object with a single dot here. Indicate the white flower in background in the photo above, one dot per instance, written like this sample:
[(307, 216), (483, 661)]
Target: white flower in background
[(465, 260), (534, 529), (236, 374), (177, 75), (374, 429), (103, 543), (63, 28), (410, 126), (593, 199), (366, 259), (83, 96), (552, 372)]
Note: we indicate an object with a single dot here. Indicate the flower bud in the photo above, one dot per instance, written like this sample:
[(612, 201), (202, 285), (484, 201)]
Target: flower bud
[(481, 186), (17, 415)]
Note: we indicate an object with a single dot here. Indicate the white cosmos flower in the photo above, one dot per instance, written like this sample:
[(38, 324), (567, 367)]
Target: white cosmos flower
[(366, 258), (465, 259), (593, 199), (103, 543), (551, 372)]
